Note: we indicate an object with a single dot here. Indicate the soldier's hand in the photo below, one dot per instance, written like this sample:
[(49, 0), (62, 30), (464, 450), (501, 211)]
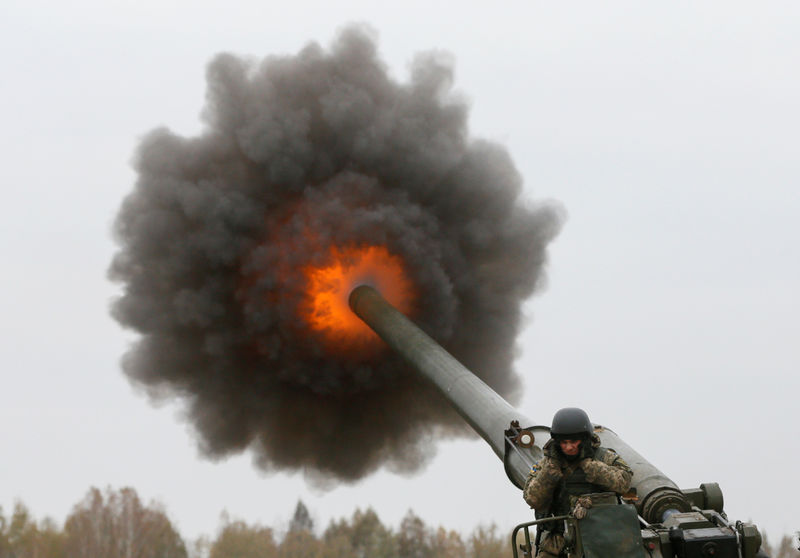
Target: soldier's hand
[(592, 468), (583, 504), (551, 470), (598, 472), (616, 478)]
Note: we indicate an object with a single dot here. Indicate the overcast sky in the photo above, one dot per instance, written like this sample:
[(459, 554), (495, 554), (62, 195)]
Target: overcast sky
[(668, 132)]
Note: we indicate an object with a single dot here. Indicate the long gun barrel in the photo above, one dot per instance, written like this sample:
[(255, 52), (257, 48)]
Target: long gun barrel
[(492, 417)]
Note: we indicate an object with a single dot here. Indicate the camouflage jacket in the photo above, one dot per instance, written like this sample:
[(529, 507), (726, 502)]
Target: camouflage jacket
[(554, 483)]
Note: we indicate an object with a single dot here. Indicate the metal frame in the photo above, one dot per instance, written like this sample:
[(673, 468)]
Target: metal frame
[(527, 548)]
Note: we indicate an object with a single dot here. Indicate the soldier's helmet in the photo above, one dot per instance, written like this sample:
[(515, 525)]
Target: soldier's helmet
[(571, 423)]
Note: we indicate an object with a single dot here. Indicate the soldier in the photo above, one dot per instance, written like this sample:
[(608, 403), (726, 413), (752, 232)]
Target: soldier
[(574, 464)]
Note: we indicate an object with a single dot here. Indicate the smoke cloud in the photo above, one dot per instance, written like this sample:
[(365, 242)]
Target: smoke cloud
[(300, 153)]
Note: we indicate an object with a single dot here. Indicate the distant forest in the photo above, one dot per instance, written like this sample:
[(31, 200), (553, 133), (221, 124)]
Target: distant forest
[(116, 524)]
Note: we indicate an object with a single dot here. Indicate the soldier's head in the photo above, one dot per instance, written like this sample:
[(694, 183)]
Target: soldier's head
[(572, 429)]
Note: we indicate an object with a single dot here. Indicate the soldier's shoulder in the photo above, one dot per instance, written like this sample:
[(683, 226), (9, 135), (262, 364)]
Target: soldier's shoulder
[(532, 474)]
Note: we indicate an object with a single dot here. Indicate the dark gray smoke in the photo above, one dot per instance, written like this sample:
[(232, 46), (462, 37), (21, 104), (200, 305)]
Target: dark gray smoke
[(217, 229)]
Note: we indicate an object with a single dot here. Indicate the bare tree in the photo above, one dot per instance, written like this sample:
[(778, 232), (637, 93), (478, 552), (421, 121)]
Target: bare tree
[(117, 525), (414, 538)]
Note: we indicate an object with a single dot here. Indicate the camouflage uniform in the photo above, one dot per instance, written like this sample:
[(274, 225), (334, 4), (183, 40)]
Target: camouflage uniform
[(554, 485)]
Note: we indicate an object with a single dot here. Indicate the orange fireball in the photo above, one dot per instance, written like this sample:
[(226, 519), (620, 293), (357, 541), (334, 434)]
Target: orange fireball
[(326, 308)]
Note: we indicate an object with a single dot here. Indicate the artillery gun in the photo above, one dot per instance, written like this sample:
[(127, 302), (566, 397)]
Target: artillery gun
[(655, 519)]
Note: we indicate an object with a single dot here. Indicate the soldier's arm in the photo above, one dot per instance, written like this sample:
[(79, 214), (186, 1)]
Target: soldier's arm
[(541, 484), (612, 473)]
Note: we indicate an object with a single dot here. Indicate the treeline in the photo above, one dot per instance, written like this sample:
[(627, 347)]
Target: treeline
[(116, 524)]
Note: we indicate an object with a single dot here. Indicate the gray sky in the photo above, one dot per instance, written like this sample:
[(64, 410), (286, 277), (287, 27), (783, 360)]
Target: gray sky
[(668, 132)]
